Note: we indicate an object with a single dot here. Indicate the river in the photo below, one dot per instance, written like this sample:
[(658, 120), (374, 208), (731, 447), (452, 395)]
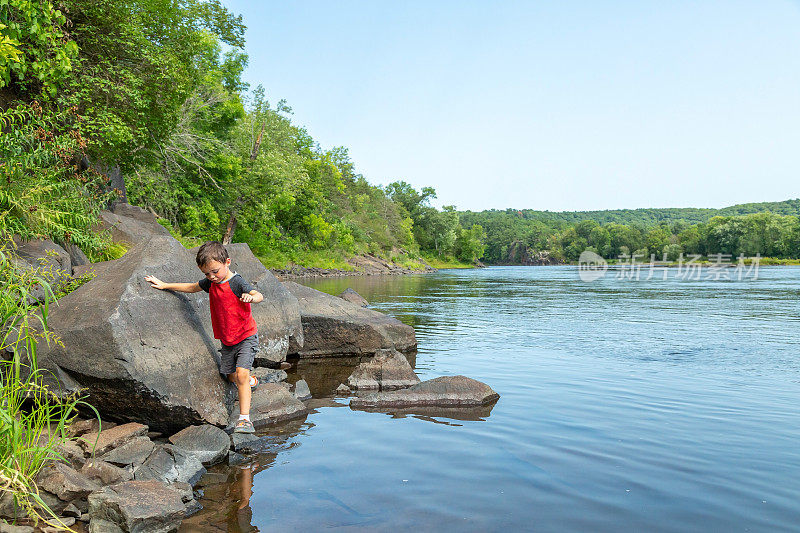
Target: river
[(626, 405)]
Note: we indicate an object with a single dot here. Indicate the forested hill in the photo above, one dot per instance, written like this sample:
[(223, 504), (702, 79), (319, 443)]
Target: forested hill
[(646, 216)]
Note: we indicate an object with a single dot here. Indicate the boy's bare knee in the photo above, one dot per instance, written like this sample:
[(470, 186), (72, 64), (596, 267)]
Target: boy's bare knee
[(242, 375)]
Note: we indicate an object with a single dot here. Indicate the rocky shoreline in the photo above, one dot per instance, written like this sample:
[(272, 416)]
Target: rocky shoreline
[(147, 360), (363, 265)]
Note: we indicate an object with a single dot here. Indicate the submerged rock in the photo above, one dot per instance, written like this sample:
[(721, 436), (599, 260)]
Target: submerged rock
[(301, 390), (353, 297), (447, 391), (136, 506), (388, 370), (332, 326)]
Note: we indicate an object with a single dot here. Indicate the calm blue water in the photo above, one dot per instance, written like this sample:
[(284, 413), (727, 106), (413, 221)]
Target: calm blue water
[(650, 405)]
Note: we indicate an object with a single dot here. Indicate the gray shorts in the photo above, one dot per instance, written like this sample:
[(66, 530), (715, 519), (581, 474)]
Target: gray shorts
[(239, 355)]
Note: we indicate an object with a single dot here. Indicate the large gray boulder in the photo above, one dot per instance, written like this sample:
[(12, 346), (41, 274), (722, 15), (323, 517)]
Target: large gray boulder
[(333, 327), (136, 506), (141, 354), (447, 391), (277, 316), (388, 370), (130, 224)]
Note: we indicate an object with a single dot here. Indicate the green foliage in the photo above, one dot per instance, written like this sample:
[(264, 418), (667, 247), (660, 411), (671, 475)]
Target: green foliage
[(35, 52), (43, 193), (33, 419)]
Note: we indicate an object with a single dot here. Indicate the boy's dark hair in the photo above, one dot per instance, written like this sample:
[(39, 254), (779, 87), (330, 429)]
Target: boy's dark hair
[(211, 251)]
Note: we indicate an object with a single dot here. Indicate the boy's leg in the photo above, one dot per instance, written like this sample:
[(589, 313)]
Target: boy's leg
[(242, 380)]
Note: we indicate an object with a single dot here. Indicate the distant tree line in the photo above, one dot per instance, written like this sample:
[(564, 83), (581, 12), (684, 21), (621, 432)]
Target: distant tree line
[(765, 233)]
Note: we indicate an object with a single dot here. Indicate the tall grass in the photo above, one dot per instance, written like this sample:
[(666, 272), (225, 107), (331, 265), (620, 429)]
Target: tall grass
[(33, 419)]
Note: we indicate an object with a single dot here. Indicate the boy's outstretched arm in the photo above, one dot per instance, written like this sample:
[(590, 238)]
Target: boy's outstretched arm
[(252, 297), (180, 287)]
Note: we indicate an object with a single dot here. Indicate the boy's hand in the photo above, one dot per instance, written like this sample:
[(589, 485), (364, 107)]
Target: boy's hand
[(155, 282), (251, 297)]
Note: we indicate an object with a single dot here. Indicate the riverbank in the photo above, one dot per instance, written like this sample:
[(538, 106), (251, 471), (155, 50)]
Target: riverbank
[(362, 265)]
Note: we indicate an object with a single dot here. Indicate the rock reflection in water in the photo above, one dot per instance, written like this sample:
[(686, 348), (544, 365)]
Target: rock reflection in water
[(227, 489), (433, 414)]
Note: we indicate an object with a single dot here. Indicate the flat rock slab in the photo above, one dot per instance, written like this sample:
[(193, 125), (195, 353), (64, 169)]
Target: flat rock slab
[(133, 452), (271, 403), (136, 506), (447, 391), (353, 297), (169, 464), (388, 370), (208, 443), (112, 438), (266, 444), (240, 439), (335, 327), (105, 473), (65, 482)]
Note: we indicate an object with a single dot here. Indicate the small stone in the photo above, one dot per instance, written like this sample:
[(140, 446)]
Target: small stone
[(208, 443), (149, 505), (236, 459), (168, 463), (301, 390), (447, 391), (133, 452), (285, 365), (268, 375), (73, 453), (81, 427), (10, 528), (104, 472), (65, 482), (112, 438), (71, 510), (154, 434), (343, 389)]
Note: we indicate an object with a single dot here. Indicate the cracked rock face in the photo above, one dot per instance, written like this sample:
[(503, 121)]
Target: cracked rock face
[(169, 464), (208, 443)]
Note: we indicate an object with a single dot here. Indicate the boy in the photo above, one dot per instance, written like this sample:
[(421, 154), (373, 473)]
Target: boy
[(230, 297)]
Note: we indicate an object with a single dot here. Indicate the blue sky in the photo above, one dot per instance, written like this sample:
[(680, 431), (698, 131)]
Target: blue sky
[(545, 105)]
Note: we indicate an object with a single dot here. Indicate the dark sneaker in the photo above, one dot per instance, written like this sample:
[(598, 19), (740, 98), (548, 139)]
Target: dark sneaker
[(244, 426)]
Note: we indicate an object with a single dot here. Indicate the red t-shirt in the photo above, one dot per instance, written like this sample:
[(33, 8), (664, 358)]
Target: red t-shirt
[(231, 319)]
